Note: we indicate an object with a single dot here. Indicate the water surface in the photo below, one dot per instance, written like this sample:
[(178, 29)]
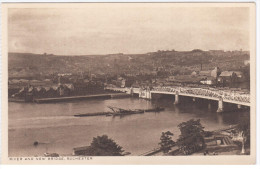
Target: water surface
[(57, 130)]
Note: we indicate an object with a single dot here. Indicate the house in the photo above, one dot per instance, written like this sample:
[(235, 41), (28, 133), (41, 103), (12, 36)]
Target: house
[(216, 72), (205, 73), (247, 62), (240, 76), (123, 82), (39, 91), (36, 83), (187, 79), (120, 82), (208, 81), (49, 92), (171, 79), (195, 73), (227, 76), (64, 74), (208, 73)]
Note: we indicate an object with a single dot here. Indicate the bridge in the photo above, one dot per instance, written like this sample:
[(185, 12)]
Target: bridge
[(239, 97)]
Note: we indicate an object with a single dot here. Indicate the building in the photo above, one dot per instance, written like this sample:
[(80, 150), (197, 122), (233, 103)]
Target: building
[(195, 73), (205, 73), (240, 76), (39, 91), (123, 82), (208, 81), (231, 76), (247, 62), (64, 74), (187, 79), (227, 76), (171, 79), (120, 82), (215, 72)]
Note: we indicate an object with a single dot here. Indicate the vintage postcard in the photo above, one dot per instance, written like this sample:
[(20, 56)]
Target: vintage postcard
[(128, 83)]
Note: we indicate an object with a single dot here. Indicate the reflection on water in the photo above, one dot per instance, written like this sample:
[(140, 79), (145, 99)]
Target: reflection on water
[(57, 130), (219, 118)]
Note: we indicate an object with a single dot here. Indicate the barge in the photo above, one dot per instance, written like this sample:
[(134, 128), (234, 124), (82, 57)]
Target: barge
[(120, 112)]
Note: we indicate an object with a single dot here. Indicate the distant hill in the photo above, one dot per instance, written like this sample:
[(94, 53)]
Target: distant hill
[(28, 64)]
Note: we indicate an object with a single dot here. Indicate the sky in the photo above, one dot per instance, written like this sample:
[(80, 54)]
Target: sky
[(107, 29)]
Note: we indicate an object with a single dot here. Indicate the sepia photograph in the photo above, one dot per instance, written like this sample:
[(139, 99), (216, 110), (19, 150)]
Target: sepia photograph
[(152, 82)]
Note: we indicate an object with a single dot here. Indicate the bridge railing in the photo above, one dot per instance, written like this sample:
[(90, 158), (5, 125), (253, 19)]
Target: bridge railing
[(232, 95), (214, 93), (117, 89), (239, 98)]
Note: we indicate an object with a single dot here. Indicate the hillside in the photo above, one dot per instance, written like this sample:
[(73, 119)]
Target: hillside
[(27, 64)]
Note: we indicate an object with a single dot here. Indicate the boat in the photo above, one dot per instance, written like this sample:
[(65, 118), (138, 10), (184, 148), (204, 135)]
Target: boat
[(128, 113), (157, 109), (119, 111), (92, 114)]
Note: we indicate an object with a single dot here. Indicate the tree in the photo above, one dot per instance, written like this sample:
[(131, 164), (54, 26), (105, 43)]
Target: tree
[(166, 141), (244, 132), (246, 71), (104, 146), (191, 138)]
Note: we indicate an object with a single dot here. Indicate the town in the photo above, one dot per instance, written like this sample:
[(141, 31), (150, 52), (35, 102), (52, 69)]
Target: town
[(48, 76)]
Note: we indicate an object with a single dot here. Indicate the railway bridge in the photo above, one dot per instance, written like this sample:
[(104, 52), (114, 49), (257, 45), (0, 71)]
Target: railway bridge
[(238, 97)]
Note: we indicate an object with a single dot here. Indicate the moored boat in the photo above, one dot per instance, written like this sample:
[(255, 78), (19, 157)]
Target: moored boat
[(157, 109), (120, 112), (128, 112), (92, 114)]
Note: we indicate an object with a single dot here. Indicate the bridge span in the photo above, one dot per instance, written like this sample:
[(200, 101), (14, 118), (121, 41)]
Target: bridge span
[(238, 97)]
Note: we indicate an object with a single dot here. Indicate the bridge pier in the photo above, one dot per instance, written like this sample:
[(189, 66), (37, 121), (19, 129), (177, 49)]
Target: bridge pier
[(149, 95), (130, 91), (220, 106), (209, 106), (145, 94), (176, 98)]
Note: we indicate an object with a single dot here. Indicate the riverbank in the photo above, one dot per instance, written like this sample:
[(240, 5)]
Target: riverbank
[(16, 100), (73, 98), (218, 143)]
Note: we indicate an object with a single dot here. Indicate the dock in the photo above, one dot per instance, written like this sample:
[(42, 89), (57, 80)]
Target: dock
[(86, 97), (15, 100)]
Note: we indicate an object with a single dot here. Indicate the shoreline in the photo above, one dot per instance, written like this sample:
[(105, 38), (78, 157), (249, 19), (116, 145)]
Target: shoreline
[(221, 149), (71, 98)]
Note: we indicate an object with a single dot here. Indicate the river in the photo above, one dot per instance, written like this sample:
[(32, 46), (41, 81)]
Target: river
[(57, 130)]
